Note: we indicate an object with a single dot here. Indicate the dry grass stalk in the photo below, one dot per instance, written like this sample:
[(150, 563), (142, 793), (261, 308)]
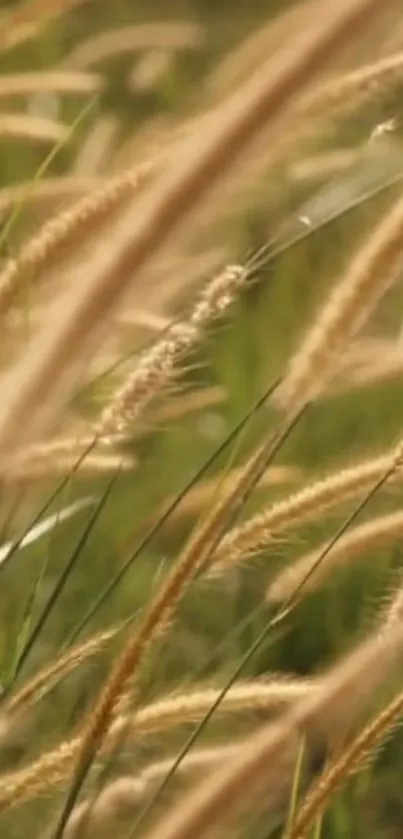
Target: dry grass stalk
[(149, 70), (341, 768), (35, 129), (24, 470), (374, 371), (323, 165), (188, 403), (369, 275), (54, 767), (376, 532), (156, 366), (366, 81), (266, 760), (202, 493), (134, 38), (80, 315), (54, 81), (194, 557), (47, 190), (271, 694), (126, 793), (28, 17), (242, 60), (95, 151), (67, 229), (40, 684), (303, 505)]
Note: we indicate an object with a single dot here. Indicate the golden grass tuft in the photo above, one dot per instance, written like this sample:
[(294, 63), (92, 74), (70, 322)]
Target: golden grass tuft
[(195, 167), (303, 505), (372, 271), (67, 229), (372, 534)]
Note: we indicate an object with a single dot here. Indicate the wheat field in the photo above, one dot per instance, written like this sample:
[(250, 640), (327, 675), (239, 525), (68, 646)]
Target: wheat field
[(201, 422)]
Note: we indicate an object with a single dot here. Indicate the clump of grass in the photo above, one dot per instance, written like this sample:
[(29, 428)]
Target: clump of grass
[(76, 297)]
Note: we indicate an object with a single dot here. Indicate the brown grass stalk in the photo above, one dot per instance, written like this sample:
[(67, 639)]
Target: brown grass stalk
[(34, 129), (79, 316), (341, 767), (194, 557), (266, 759), (27, 18), (156, 366), (130, 39), (126, 793), (303, 505), (202, 493), (97, 147), (371, 79), (53, 81), (43, 681), (46, 191), (372, 534), (373, 269), (67, 230), (54, 767)]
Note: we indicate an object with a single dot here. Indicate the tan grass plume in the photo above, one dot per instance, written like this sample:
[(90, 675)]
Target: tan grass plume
[(134, 38), (340, 768), (79, 317), (378, 531), (34, 129), (67, 229), (306, 503), (371, 272), (266, 760)]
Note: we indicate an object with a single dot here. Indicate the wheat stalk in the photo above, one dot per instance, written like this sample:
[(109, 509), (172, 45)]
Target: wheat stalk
[(155, 368), (67, 229), (24, 21), (36, 129), (373, 533), (340, 768), (54, 766), (128, 792), (78, 315), (134, 38), (43, 681), (370, 274), (265, 760), (303, 505), (53, 81)]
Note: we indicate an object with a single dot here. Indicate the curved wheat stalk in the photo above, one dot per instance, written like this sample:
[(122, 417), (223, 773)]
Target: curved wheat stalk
[(195, 166), (53, 81), (127, 792), (67, 230), (371, 79), (156, 366), (373, 269), (48, 190), (264, 765), (134, 38), (366, 536), (54, 767), (96, 149), (340, 768), (257, 532), (24, 21), (35, 129), (40, 684)]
